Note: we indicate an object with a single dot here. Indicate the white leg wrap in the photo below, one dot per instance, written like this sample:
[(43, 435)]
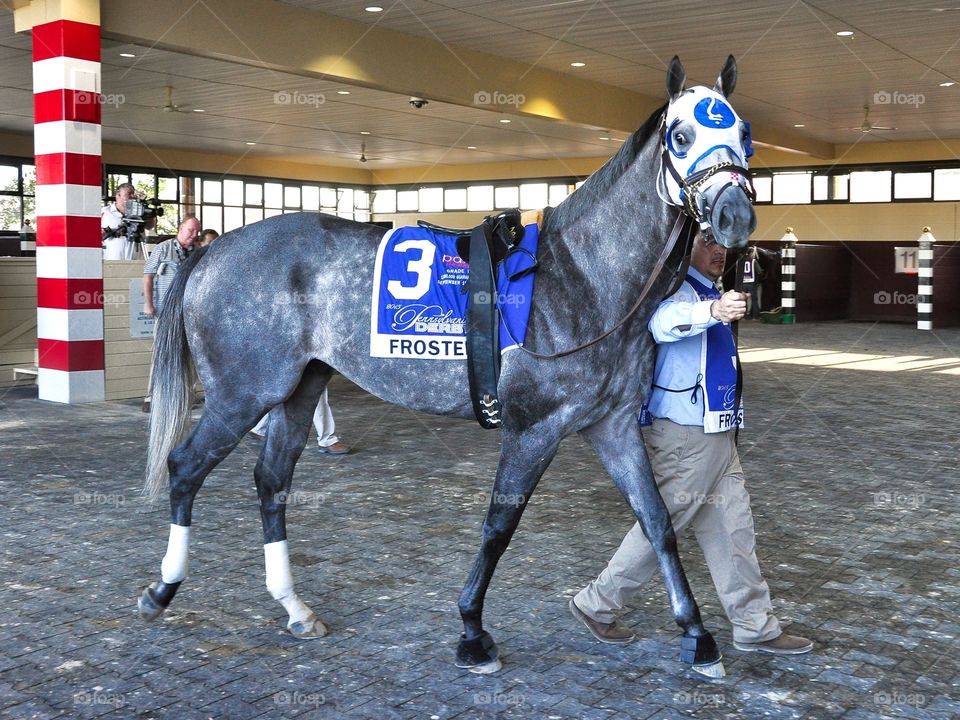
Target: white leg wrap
[(173, 569), (280, 581)]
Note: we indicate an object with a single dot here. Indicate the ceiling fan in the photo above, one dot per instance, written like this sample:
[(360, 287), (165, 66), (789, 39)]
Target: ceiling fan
[(170, 105), (866, 126)]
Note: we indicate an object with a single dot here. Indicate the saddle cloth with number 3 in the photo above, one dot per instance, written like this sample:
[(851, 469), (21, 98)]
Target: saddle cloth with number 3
[(419, 303)]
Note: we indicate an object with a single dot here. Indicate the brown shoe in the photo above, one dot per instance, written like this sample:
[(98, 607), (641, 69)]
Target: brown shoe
[(614, 632), (338, 448), (782, 645)]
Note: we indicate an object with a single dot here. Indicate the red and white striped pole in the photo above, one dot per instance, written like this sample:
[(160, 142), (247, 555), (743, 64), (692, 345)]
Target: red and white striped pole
[(66, 86)]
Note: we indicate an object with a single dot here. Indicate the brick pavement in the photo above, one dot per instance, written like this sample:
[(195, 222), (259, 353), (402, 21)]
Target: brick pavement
[(853, 476)]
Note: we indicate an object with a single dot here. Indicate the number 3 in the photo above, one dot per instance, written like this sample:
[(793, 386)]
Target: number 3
[(422, 267)]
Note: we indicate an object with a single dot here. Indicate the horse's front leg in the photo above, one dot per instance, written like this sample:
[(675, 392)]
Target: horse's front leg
[(619, 443), (523, 460)]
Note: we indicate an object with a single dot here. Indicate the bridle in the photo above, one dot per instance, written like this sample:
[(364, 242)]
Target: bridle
[(693, 185)]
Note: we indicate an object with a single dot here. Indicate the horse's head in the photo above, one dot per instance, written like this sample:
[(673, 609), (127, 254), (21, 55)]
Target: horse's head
[(704, 157)]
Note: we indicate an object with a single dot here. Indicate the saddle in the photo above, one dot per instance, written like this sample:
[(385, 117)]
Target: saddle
[(484, 248)]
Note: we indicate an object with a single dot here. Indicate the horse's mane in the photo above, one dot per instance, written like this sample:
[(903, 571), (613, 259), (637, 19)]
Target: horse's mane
[(597, 185)]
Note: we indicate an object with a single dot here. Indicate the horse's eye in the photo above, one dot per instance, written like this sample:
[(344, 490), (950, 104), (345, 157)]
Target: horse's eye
[(680, 138)]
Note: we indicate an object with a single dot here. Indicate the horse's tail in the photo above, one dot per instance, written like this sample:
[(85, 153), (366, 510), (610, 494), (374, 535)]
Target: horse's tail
[(170, 386)]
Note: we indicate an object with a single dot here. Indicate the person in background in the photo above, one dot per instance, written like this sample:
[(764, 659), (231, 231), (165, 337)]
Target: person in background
[(160, 269), (327, 440), (116, 245), (207, 237), (690, 423)]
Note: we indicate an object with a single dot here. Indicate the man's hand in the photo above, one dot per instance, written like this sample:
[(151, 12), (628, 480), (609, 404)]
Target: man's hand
[(149, 310), (731, 306)]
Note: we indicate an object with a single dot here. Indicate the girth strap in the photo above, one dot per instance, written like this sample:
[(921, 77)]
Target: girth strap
[(483, 341)]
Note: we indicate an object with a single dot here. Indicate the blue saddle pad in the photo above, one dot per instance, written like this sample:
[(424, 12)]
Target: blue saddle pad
[(419, 302)]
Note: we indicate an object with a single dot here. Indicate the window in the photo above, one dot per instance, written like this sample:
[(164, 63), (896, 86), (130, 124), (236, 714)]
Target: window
[(455, 199), (870, 186), (384, 201), (791, 188), (480, 198), (408, 201), (534, 196), (912, 185), (507, 197), (431, 200), (558, 193), (763, 184), (946, 184)]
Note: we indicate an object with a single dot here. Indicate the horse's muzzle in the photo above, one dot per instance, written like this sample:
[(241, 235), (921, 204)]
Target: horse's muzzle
[(731, 217)]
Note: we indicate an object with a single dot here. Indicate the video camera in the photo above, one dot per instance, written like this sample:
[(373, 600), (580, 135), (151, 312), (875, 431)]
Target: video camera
[(136, 214)]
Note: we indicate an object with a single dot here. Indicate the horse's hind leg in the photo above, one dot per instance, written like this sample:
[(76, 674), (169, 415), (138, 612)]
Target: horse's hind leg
[(208, 443), (286, 437), (522, 463), (619, 443)]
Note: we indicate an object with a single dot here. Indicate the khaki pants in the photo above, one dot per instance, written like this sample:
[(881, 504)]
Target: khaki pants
[(701, 481)]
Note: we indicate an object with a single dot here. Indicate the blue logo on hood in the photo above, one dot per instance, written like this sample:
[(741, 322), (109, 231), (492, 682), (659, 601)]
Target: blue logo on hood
[(714, 113)]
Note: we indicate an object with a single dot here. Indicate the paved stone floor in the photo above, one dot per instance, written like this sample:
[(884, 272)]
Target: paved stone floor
[(854, 480)]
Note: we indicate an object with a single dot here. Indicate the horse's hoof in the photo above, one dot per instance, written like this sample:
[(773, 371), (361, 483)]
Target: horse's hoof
[(702, 652), (308, 629), (486, 668), (478, 655), (148, 605), (712, 670)]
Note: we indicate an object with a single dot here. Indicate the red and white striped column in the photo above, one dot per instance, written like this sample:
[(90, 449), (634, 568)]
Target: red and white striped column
[(66, 86)]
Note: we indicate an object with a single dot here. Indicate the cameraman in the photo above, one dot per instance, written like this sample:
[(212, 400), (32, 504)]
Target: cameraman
[(117, 246)]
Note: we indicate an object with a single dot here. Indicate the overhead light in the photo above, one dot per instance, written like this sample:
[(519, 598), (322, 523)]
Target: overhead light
[(373, 8), (199, 110), (251, 143), (364, 132), (343, 92), (948, 83), (578, 64), (127, 55), (604, 137), (471, 147), (504, 121), (799, 125), (845, 33)]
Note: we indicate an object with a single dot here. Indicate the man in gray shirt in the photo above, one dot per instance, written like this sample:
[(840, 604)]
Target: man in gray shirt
[(162, 265), (160, 269)]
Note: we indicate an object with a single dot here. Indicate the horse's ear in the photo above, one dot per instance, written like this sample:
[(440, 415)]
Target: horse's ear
[(727, 80), (676, 77)]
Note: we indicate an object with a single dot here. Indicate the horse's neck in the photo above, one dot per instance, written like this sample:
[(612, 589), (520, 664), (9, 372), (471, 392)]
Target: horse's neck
[(609, 251)]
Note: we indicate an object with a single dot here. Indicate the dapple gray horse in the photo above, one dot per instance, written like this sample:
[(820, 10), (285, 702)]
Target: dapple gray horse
[(599, 263)]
